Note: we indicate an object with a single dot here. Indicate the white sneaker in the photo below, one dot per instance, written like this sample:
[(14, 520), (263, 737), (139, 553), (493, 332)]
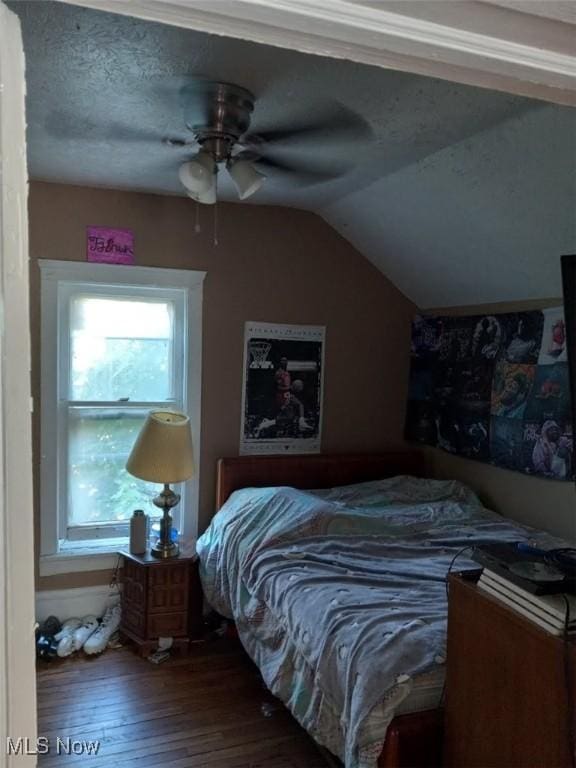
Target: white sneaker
[(88, 627), (65, 637), (98, 641)]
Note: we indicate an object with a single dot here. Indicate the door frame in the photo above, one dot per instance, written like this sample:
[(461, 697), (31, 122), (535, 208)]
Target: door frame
[(17, 641)]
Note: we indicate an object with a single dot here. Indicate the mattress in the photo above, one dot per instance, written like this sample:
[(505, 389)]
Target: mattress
[(426, 693)]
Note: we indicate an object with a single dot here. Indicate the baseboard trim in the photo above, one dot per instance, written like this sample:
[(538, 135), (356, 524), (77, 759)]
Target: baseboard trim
[(68, 603)]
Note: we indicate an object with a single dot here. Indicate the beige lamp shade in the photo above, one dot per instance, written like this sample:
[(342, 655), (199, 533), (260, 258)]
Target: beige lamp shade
[(162, 452)]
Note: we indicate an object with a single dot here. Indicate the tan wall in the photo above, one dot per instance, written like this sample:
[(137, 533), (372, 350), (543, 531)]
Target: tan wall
[(547, 504), (272, 264)]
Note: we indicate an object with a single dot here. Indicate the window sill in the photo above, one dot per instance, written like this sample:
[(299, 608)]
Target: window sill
[(82, 556)]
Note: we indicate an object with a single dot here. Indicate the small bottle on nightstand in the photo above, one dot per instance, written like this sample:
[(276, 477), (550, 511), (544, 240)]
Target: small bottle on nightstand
[(138, 531)]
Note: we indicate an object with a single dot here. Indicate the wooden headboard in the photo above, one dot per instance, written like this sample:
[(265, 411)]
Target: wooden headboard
[(312, 471)]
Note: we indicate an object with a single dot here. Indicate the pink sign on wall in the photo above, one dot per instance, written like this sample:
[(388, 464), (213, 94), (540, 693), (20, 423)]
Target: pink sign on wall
[(110, 245)]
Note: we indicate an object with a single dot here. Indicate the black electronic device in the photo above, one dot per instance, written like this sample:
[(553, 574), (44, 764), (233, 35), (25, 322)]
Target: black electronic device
[(537, 571)]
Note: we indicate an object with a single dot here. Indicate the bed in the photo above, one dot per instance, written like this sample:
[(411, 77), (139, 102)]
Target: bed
[(349, 651)]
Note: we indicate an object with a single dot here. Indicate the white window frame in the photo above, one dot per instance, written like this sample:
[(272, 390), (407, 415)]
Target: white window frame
[(66, 291), (59, 279)]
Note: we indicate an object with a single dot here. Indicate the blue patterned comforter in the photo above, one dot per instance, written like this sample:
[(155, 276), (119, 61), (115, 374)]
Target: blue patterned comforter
[(339, 595)]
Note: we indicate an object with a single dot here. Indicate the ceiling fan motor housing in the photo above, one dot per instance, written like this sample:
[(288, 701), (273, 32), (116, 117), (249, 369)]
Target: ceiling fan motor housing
[(218, 114)]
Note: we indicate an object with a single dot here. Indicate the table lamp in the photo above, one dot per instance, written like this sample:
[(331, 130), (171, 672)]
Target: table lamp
[(162, 453)]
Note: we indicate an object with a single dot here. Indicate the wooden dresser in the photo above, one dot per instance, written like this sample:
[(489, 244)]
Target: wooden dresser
[(506, 689), (161, 598)]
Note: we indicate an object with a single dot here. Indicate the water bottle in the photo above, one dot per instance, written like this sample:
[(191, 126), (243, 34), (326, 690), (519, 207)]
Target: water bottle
[(138, 530)]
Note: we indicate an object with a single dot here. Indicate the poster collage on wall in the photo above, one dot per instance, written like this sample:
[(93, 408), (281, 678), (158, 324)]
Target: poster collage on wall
[(494, 388)]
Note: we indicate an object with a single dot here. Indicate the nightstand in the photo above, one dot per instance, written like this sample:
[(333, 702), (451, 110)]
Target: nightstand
[(161, 598)]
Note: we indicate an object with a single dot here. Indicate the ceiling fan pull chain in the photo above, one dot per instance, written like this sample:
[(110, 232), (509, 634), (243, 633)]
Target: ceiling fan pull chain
[(197, 227), (216, 223)]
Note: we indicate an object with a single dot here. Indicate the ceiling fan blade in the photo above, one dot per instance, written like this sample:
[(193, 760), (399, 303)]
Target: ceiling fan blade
[(306, 175), (338, 126), (179, 142), (65, 126)]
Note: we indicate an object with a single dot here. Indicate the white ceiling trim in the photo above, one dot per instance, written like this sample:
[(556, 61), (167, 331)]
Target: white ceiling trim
[(405, 28), (373, 35)]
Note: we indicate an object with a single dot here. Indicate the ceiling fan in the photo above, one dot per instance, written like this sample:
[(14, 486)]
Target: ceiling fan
[(219, 115)]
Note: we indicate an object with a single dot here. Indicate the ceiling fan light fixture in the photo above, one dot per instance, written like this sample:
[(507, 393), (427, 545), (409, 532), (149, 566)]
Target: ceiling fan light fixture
[(198, 174), (246, 178), (206, 198)]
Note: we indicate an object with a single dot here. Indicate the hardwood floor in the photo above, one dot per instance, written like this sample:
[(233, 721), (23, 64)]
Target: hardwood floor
[(207, 709)]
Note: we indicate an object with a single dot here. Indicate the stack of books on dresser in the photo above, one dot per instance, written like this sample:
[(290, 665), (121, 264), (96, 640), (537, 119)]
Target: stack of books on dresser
[(547, 611), (530, 581)]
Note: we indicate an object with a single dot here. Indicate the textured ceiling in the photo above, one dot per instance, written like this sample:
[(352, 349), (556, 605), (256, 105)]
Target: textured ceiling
[(459, 195)]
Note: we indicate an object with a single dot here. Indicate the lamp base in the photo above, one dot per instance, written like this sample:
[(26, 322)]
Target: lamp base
[(165, 548), (164, 551)]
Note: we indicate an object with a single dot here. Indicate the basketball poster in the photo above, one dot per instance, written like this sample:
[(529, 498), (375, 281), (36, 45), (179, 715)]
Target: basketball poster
[(282, 388)]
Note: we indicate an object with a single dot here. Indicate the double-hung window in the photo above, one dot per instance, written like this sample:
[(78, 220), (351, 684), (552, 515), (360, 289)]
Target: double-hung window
[(117, 342)]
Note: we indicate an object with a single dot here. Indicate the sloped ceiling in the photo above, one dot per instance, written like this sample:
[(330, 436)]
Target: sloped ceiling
[(458, 194), (482, 220)]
